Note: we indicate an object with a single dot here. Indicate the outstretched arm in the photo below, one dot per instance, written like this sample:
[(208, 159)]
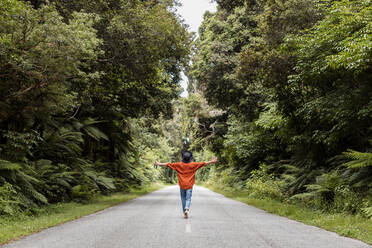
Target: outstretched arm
[(160, 164), (213, 161)]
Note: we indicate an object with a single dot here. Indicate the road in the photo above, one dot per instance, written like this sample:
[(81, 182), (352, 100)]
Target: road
[(156, 220)]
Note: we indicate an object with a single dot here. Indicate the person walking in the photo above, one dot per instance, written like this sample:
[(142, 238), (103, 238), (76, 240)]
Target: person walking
[(186, 177)]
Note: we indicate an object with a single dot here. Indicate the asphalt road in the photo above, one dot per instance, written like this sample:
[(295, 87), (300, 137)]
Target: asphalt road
[(156, 220)]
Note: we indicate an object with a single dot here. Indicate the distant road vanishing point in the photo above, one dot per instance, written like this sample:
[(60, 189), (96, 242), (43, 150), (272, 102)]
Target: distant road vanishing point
[(156, 220)]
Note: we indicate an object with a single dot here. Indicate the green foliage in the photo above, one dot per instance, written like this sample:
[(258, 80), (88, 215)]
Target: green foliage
[(18, 145), (87, 89), (294, 77), (88, 128), (221, 37), (358, 169), (82, 192), (262, 184), (145, 47), (270, 118), (331, 192), (368, 212), (56, 179), (37, 46), (72, 73), (347, 200), (324, 93), (324, 189), (247, 143), (63, 144), (294, 80), (227, 179), (21, 184), (203, 155), (359, 159), (353, 40), (9, 200)]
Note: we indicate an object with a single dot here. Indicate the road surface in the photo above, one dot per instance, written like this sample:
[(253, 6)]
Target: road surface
[(156, 220)]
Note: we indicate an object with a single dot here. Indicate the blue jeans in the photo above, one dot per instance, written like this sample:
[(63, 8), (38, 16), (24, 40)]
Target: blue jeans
[(186, 198)]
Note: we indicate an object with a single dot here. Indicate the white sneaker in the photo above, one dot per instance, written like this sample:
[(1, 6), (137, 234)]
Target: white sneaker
[(186, 214)]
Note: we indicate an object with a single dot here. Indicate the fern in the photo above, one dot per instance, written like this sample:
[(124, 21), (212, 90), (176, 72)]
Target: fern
[(10, 166), (100, 180), (27, 182), (82, 192), (368, 212), (61, 145), (9, 200), (55, 175), (88, 127), (303, 196), (323, 189), (297, 177), (106, 182), (22, 182), (359, 159)]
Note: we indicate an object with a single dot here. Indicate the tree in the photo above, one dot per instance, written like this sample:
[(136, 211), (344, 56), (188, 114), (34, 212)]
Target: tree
[(41, 58)]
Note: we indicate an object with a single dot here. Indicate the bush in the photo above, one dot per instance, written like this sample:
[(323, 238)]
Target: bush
[(346, 200), (226, 179), (9, 201), (367, 211), (262, 184), (332, 193)]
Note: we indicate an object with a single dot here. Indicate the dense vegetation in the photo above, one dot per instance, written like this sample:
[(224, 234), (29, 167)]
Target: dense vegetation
[(290, 82), (85, 91), (280, 90)]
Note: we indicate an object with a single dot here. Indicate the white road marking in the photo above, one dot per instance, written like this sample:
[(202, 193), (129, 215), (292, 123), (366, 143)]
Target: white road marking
[(188, 228)]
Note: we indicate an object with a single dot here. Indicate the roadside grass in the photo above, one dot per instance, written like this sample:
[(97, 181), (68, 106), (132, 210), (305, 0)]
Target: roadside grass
[(15, 227), (353, 226)]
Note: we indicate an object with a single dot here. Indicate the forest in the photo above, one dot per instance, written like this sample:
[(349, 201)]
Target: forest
[(279, 90), (86, 92), (283, 94)]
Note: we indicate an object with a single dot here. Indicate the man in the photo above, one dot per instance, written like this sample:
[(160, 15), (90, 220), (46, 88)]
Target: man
[(186, 177)]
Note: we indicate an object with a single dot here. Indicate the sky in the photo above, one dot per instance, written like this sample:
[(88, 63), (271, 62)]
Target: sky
[(192, 12)]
